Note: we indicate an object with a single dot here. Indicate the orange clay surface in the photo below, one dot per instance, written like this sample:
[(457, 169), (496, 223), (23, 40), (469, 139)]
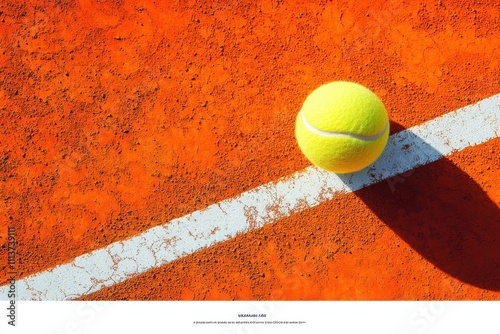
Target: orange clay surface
[(117, 116)]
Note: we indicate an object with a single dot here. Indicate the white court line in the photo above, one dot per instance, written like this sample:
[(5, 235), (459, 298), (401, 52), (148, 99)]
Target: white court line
[(420, 145)]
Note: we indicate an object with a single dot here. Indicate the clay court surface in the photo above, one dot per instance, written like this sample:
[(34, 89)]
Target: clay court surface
[(119, 116)]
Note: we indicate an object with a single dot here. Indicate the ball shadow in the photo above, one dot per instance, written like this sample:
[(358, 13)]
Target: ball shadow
[(442, 213)]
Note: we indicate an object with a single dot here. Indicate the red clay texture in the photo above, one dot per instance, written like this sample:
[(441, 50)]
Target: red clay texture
[(118, 116)]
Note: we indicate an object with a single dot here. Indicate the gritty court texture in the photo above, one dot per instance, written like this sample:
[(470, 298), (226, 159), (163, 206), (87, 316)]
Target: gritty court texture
[(147, 151)]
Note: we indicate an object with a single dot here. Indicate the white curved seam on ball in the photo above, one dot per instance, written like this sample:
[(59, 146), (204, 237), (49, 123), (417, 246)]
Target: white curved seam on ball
[(341, 134)]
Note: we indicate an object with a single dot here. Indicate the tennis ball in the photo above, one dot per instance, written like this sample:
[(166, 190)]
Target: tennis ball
[(342, 127)]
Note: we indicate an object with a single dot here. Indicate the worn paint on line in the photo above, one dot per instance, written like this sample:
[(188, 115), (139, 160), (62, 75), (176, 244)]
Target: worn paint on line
[(420, 145)]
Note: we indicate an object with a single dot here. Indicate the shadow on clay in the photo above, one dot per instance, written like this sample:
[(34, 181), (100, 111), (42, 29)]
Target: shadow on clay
[(442, 213)]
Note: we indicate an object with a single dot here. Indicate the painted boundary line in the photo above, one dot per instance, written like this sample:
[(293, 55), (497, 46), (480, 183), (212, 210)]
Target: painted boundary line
[(420, 145)]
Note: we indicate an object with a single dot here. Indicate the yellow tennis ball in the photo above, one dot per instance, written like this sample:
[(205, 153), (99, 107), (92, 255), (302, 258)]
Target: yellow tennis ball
[(342, 127)]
